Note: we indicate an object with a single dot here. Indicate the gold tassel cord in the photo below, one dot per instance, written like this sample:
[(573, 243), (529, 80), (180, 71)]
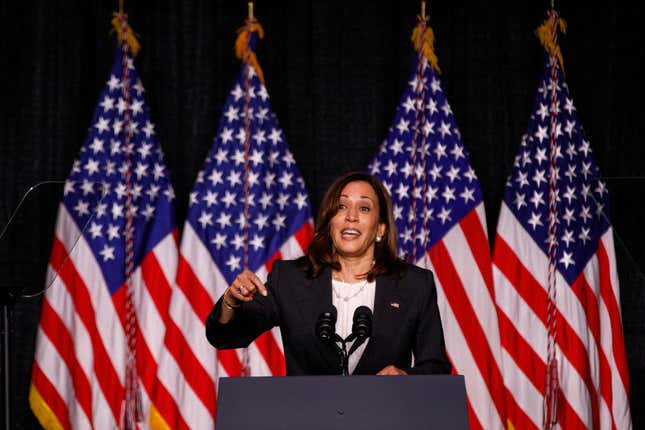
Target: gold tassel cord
[(423, 40), (545, 34), (129, 34), (243, 49)]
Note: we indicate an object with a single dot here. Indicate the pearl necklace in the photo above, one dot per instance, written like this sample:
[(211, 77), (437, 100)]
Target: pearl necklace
[(348, 298)]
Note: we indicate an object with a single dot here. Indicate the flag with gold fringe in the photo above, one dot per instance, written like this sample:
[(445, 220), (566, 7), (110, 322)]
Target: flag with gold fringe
[(113, 262)]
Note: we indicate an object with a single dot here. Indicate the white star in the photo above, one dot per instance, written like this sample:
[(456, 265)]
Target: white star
[(144, 150), (215, 177), (537, 199), (278, 222), (570, 194), (141, 170), (444, 215), (453, 173), (261, 221), (237, 92), (241, 136), (585, 213), (519, 201), (586, 169), (275, 136), (542, 111), (229, 199), (263, 93), (81, 208), (113, 232), (113, 83), (407, 169), (288, 159), (149, 129), (121, 105), (87, 187), (219, 241), (205, 219), (238, 241), (569, 106), (445, 129), (396, 147), (566, 259), (137, 107), (568, 215), (102, 125), (568, 237), (402, 191), (257, 242), (285, 179), (584, 147), (539, 177), (448, 194), (435, 172), (238, 157), (257, 157), (139, 87), (169, 193), (440, 151), (522, 179), (210, 198), (100, 210), (601, 188), (261, 115), (269, 179), (233, 178), (107, 252), (584, 235), (467, 195), (541, 133), (149, 212), (117, 211), (535, 220), (403, 125), (152, 192), (301, 200), (470, 174), (540, 155), (224, 220), (69, 187), (232, 114), (435, 85), (233, 263), (457, 151), (116, 127), (408, 105), (95, 230)]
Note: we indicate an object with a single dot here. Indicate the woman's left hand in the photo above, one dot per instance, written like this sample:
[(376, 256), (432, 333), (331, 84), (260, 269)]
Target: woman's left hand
[(392, 370)]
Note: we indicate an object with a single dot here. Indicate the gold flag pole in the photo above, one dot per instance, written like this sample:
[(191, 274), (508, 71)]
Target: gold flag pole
[(423, 9), (251, 16)]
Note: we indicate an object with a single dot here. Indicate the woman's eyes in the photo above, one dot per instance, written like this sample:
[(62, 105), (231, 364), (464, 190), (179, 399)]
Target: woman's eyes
[(361, 208), (364, 209)]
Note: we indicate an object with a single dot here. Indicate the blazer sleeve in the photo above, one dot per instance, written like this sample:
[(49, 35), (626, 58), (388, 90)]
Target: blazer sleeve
[(250, 320), (428, 346)]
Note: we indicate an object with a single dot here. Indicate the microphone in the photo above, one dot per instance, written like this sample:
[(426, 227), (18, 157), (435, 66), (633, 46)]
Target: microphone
[(326, 325), (361, 327)]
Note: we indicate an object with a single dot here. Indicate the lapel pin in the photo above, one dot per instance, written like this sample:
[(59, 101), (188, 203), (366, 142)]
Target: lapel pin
[(395, 305)]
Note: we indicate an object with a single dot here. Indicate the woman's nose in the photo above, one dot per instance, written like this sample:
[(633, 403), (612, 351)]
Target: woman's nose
[(351, 215)]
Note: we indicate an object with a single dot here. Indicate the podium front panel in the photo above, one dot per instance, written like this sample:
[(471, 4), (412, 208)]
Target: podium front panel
[(342, 402)]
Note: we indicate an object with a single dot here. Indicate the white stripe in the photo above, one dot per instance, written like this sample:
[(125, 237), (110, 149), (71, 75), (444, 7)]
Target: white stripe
[(574, 389), (202, 265), (464, 362), (166, 254), (291, 248), (257, 365), (475, 287), (190, 326), (53, 366), (528, 398), (189, 404), (107, 322)]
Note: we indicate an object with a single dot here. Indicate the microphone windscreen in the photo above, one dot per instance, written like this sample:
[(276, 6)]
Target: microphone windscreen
[(362, 324), (326, 325)]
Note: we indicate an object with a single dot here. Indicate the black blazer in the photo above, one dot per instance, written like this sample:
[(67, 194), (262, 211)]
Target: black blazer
[(406, 320)]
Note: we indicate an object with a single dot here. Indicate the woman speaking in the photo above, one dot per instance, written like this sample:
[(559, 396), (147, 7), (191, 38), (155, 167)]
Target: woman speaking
[(350, 263)]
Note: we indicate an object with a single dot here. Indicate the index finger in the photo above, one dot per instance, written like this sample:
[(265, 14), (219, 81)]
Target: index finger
[(257, 282)]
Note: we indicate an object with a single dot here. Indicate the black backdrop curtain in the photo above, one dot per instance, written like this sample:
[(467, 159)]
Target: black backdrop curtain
[(335, 71)]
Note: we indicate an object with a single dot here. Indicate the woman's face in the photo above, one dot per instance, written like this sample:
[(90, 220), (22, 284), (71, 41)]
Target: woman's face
[(356, 225)]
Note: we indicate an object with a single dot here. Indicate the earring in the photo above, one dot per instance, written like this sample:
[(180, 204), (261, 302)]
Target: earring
[(379, 238)]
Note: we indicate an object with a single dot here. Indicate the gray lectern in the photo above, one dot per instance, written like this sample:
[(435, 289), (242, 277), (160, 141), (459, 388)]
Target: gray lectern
[(342, 402)]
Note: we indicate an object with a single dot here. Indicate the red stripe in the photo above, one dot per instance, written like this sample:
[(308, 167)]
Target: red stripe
[(525, 284), (269, 263), (567, 416), (479, 247), (516, 414), (524, 356), (103, 367), (199, 299), (304, 235), (468, 323), (50, 396), (588, 299), (230, 361), (607, 294), (55, 329), (146, 364), (473, 421), (156, 284), (167, 407), (535, 296), (271, 353), (194, 374)]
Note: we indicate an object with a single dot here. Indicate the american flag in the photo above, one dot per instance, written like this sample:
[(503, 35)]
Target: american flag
[(248, 208), (441, 222), (116, 218), (586, 346)]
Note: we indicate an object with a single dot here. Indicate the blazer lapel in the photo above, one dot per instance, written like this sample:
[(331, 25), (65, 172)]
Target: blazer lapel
[(385, 320), (319, 301)]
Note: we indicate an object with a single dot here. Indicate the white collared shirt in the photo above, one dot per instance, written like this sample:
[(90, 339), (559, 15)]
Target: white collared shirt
[(351, 297)]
